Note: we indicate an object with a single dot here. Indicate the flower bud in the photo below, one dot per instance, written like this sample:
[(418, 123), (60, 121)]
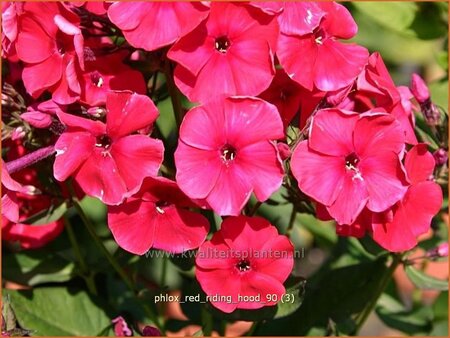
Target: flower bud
[(121, 328), (18, 134), (440, 156), (283, 150), (439, 251), (150, 331), (419, 89)]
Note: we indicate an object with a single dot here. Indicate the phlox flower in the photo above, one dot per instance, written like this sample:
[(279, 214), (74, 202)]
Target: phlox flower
[(157, 217), (226, 55), (226, 150), (351, 161), (246, 257), (107, 160)]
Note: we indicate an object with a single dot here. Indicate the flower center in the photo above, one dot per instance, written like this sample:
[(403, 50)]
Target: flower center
[(96, 79), (320, 36), (222, 44), (103, 141), (160, 206), (351, 163), (228, 153), (243, 265)]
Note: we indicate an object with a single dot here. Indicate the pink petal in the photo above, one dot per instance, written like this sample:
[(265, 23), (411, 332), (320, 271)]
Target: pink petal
[(65, 25), (99, 177), (94, 127), (385, 180), (37, 119), (72, 149), (197, 170), (300, 18), (263, 167), (280, 261), (259, 284), (128, 113), (10, 207), (337, 64), (231, 191), (350, 201), (32, 237), (212, 282), (251, 120), (127, 15), (338, 20), (133, 225), (34, 45), (215, 254), (332, 126), (419, 163), (40, 76), (299, 69), (137, 157), (319, 176), (202, 127), (179, 230), (379, 133)]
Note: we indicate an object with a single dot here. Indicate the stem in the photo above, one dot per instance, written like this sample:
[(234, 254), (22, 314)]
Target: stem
[(207, 323), (361, 318), (174, 93), (163, 272), (291, 222), (255, 208), (113, 262), (86, 274), (223, 328), (29, 159)]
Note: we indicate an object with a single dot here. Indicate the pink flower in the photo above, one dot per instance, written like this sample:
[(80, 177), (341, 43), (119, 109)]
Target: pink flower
[(246, 257), (317, 58), (40, 115), (411, 217), (50, 44), (121, 328), (106, 160), (108, 72), (223, 56), (226, 150), (152, 25), (351, 160), (157, 217), (10, 13)]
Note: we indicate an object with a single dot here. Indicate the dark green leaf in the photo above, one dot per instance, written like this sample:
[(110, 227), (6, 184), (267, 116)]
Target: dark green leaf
[(56, 311)]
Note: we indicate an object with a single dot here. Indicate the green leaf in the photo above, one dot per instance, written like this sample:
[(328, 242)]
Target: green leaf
[(36, 267), (397, 16), (46, 216), (423, 281), (295, 293), (56, 311)]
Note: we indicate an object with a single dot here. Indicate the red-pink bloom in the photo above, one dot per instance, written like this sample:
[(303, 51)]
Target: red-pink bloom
[(317, 58), (246, 257), (107, 160), (226, 150), (411, 217), (95, 7), (157, 217), (107, 72), (10, 13), (351, 160), (152, 25), (19, 202), (50, 44), (285, 94), (226, 56), (40, 115)]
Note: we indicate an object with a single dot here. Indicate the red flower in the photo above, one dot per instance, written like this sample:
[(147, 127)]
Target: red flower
[(226, 150), (10, 13), (248, 258), (351, 160), (317, 58), (157, 217), (226, 56), (105, 159), (107, 72), (152, 25), (411, 217), (50, 44)]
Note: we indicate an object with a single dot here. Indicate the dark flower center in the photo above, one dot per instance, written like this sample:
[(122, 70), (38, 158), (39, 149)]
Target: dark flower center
[(160, 206), (228, 153), (103, 141), (351, 161), (222, 44), (319, 36), (96, 79), (243, 265)]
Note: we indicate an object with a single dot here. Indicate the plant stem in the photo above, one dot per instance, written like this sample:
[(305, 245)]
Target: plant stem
[(29, 159), (361, 318), (113, 262), (291, 221), (86, 274), (223, 328), (174, 93), (255, 209), (207, 322)]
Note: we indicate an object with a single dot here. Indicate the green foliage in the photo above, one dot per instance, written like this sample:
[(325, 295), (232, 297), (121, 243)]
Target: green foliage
[(424, 281)]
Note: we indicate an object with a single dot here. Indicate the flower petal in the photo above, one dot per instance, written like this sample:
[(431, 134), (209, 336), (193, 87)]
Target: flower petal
[(419, 163)]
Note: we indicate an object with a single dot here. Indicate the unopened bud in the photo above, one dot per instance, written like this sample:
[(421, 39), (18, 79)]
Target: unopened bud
[(96, 112), (121, 328), (431, 113), (440, 156), (283, 150), (439, 251), (18, 134), (150, 331), (419, 89)]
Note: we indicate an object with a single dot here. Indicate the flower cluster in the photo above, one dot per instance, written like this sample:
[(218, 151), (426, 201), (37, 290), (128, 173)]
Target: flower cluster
[(280, 99)]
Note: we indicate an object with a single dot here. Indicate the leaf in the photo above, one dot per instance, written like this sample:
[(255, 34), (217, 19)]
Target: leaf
[(56, 311), (46, 216), (423, 281), (295, 289), (36, 267), (397, 16), (199, 333)]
